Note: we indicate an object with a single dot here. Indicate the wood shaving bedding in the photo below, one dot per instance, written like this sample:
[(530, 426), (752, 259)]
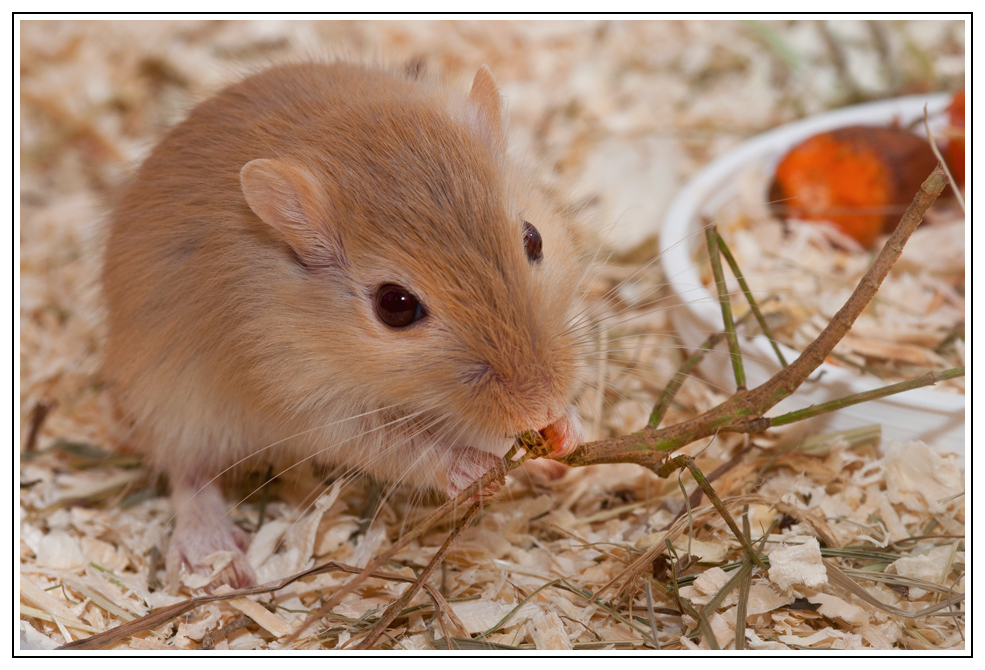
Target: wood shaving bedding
[(618, 130)]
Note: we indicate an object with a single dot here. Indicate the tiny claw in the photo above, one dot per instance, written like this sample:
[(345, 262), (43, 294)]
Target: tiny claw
[(488, 493)]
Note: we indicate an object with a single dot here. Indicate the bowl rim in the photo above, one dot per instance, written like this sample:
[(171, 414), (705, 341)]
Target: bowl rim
[(678, 229)]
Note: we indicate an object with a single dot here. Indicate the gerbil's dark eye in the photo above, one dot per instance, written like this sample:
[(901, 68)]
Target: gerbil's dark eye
[(532, 243), (397, 307)]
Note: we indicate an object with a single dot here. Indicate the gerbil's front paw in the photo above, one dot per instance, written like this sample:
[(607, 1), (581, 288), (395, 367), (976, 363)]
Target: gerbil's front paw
[(564, 435), (468, 466)]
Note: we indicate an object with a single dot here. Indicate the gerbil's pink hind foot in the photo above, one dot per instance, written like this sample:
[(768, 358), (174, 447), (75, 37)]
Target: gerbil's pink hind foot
[(206, 542)]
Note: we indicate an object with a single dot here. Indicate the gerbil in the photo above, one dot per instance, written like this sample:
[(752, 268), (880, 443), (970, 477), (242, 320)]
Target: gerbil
[(337, 260)]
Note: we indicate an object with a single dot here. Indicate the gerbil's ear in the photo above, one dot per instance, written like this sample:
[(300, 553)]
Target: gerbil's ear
[(485, 102), (289, 199)]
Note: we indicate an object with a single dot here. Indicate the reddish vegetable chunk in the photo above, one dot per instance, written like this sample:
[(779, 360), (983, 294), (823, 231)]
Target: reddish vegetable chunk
[(860, 178)]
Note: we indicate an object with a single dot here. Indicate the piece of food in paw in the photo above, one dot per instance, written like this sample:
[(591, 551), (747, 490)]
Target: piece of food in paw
[(564, 435)]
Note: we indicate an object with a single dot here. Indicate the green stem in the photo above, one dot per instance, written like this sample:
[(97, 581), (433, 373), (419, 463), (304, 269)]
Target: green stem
[(711, 236), (762, 423), (685, 461), (753, 305)]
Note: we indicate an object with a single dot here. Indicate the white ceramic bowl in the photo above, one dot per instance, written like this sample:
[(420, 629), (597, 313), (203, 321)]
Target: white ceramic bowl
[(937, 418)]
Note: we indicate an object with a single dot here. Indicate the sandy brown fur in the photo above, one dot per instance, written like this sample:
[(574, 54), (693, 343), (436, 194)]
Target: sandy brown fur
[(224, 338)]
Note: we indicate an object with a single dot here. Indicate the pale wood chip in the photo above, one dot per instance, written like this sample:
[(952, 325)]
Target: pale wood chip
[(264, 617), (797, 564), (834, 607), (547, 632)]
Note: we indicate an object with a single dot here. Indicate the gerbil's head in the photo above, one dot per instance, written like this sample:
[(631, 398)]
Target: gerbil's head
[(430, 277)]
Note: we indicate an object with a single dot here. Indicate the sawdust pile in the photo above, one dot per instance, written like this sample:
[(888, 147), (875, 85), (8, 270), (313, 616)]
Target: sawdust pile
[(608, 557)]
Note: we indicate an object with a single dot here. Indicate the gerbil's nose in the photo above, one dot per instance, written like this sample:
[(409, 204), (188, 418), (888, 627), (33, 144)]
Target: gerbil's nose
[(527, 397)]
